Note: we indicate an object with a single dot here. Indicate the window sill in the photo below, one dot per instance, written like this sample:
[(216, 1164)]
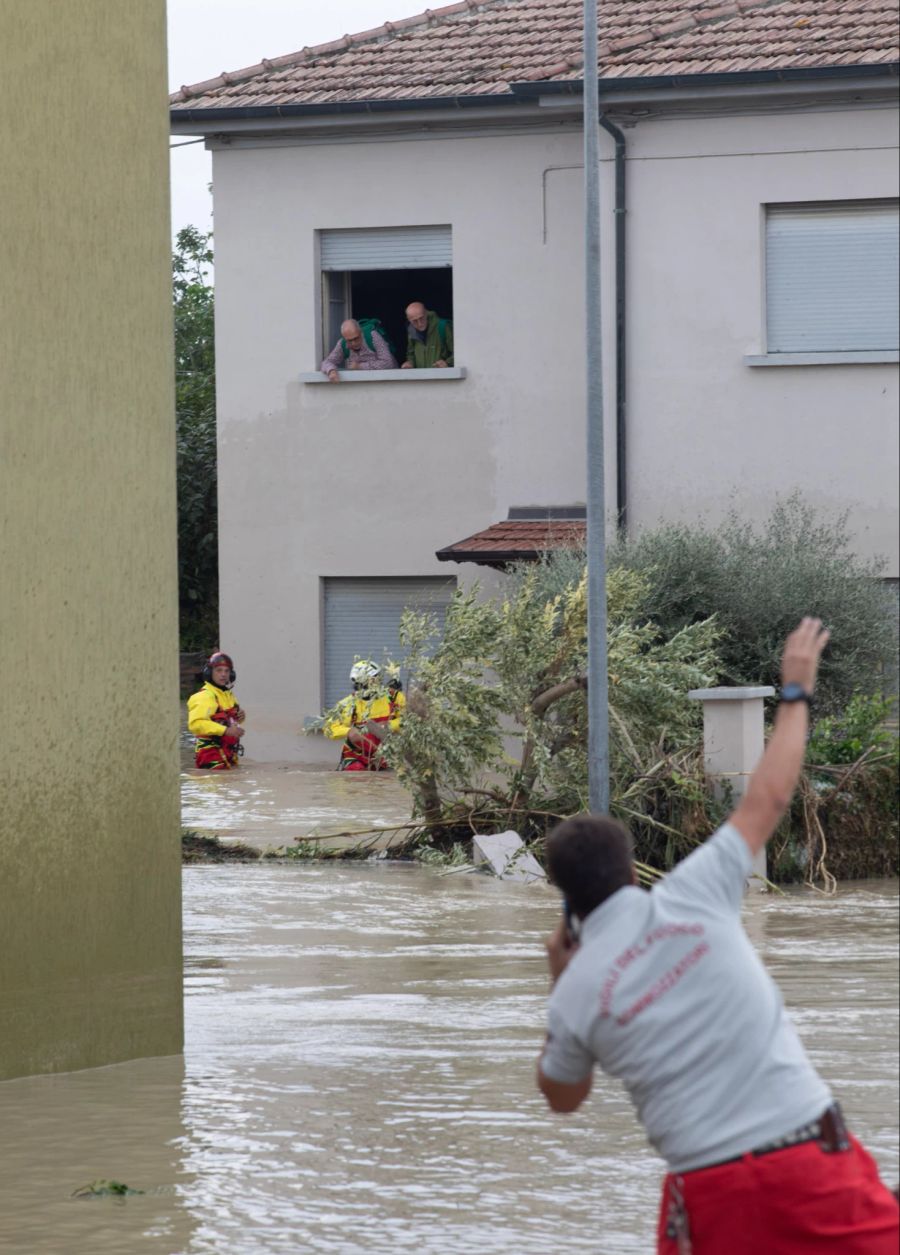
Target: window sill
[(859, 357), (440, 373)]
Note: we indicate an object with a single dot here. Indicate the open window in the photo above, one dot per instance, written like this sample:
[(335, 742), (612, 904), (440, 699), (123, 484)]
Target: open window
[(376, 272)]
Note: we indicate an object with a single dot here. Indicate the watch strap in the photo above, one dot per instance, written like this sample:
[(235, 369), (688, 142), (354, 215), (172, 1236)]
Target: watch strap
[(794, 693)]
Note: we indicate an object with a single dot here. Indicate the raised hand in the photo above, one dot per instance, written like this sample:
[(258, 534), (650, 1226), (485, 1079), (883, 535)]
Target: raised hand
[(802, 651)]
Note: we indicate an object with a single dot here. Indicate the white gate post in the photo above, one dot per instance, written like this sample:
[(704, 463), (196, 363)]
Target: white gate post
[(733, 741)]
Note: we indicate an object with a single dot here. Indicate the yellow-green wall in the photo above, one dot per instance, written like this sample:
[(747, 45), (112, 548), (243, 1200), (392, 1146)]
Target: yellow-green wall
[(90, 909)]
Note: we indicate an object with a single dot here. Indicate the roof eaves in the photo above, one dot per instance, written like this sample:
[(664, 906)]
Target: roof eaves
[(527, 92), (403, 105), (723, 78), (488, 557)]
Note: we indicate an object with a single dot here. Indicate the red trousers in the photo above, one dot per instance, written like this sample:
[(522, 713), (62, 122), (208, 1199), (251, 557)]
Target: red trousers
[(798, 1201), (217, 757), (365, 757)]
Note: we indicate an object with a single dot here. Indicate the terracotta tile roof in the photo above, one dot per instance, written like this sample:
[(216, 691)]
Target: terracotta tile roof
[(515, 540), (481, 47)]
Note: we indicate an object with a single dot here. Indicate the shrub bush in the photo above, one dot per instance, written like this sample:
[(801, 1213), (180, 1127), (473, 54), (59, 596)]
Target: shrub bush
[(759, 582), (496, 722), (843, 821), (495, 734)]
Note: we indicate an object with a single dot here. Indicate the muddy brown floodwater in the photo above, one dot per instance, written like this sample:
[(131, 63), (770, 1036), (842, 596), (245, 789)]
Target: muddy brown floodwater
[(272, 804), (358, 1074)]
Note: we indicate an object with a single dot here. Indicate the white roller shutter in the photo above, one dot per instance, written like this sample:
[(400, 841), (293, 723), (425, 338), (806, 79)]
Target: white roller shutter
[(362, 619), (831, 277), (386, 248)]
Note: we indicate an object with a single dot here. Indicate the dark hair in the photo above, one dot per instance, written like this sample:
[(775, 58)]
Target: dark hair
[(589, 857)]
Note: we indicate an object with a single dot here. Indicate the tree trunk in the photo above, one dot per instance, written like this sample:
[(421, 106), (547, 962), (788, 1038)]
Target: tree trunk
[(539, 708)]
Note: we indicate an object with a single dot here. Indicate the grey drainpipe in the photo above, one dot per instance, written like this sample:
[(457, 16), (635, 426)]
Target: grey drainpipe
[(621, 378)]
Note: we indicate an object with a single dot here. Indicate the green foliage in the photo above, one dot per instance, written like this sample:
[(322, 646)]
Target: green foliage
[(302, 851), (844, 821), (195, 404), (669, 807), (542, 663), (846, 737), (451, 732), (496, 735), (105, 1189), (425, 852), (513, 674), (758, 583)]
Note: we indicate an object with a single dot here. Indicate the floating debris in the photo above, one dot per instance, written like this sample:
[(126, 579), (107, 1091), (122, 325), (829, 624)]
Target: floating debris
[(105, 1189), (506, 855), (196, 848)]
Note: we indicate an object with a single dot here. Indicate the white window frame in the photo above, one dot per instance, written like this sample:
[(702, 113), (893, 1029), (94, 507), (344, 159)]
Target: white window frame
[(811, 357), (417, 255)]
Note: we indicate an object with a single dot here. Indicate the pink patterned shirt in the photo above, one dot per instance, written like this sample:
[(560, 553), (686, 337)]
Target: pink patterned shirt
[(379, 357)]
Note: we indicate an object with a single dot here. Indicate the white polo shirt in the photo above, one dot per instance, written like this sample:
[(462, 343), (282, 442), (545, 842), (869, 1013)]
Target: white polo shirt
[(667, 993)]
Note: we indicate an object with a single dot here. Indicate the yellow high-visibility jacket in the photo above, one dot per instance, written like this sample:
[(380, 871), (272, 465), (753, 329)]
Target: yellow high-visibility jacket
[(203, 705), (355, 710)]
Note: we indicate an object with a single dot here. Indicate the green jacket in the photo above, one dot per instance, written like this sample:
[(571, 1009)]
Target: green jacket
[(437, 347)]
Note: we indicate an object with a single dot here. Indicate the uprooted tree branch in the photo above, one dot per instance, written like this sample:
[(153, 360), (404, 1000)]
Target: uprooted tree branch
[(495, 734)]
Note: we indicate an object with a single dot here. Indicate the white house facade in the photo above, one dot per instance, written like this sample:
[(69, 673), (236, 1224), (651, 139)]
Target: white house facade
[(751, 313)]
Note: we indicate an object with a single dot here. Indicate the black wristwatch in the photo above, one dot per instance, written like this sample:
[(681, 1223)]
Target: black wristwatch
[(794, 693)]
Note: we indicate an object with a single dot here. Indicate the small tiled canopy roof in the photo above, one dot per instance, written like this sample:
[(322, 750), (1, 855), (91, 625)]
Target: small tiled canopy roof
[(480, 48), (516, 540)]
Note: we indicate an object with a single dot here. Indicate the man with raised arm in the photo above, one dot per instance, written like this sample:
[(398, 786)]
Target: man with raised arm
[(664, 990)]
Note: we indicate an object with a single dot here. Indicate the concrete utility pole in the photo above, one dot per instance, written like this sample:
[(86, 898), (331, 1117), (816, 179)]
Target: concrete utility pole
[(598, 681)]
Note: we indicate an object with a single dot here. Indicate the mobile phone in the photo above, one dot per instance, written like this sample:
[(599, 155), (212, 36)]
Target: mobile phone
[(573, 923)]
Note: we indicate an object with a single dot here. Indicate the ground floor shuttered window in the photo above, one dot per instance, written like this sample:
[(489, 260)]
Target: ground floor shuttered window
[(362, 620)]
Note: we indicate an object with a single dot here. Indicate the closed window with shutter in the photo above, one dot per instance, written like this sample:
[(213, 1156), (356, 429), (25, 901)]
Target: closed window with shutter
[(831, 277)]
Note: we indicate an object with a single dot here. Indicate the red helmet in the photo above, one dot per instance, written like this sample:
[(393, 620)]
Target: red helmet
[(213, 661)]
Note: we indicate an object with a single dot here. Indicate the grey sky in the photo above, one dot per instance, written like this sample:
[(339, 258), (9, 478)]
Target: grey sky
[(208, 36)]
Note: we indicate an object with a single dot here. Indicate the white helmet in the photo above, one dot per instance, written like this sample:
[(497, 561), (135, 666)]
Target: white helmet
[(364, 672)]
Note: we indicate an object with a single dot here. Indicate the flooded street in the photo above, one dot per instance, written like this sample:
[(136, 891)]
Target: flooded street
[(359, 1069), (273, 804)]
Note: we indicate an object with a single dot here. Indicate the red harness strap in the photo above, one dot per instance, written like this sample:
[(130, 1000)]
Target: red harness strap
[(366, 757), (218, 753)]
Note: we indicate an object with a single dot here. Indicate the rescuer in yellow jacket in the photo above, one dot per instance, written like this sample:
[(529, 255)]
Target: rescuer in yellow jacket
[(365, 718), (215, 718)]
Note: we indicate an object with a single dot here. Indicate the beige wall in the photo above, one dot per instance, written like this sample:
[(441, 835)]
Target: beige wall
[(301, 466), (706, 430), (90, 928), (325, 481)]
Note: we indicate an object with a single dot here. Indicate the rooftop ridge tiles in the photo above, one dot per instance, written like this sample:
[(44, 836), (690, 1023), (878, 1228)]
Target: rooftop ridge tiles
[(430, 18)]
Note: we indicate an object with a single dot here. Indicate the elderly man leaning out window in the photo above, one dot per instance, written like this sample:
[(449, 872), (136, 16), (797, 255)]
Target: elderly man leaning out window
[(429, 338), (358, 350)]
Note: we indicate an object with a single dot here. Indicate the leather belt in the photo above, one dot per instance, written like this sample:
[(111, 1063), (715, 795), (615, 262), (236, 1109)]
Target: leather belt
[(829, 1131)]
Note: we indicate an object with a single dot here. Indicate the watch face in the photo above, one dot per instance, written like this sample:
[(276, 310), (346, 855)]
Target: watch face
[(794, 693)]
